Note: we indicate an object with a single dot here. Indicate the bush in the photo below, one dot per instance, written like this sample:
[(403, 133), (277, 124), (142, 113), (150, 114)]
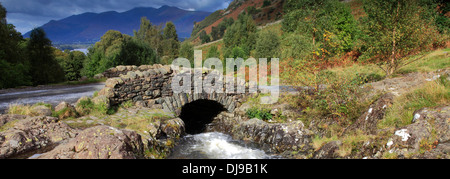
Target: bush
[(205, 38), (241, 34), (213, 52), (339, 99), (263, 114), (267, 44), (267, 3), (236, 52)]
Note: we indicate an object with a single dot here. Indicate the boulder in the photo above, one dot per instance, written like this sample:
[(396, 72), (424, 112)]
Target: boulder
[(328, 151), (83, 78), (99, 76), (65, 110), (430, 133), (280, 137), (41, 110), (33, 133), (101, 100), (121, 68), (173, 128), (61, 106), (369, 120), (100, 142), (80, 109)]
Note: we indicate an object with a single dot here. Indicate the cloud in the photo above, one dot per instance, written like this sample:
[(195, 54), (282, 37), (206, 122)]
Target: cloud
[(27, 14)]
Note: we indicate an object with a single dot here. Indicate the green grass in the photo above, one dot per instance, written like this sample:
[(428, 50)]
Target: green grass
[(432, 94), (87, 107), (260, 113), (431, 62), (26, 110), (435, 60), (8, 125)]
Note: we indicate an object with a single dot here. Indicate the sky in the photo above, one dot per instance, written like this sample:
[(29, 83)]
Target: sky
[(28, 14)]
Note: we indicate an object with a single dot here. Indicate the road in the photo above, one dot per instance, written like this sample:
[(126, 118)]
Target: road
[(47, 94)]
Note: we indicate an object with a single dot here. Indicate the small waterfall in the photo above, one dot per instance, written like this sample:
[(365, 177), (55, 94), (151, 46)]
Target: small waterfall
[(216, 145)]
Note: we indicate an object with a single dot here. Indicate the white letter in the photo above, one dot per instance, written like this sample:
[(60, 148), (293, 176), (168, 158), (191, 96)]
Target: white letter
[(181, 74), (215, 76)]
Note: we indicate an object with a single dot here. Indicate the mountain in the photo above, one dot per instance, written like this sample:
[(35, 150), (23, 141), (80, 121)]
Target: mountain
[(262, 11), (89, 27)]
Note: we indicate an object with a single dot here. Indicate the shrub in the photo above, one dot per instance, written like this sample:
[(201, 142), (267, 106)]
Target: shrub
[(267, 3), (263, 114), (267, 45)]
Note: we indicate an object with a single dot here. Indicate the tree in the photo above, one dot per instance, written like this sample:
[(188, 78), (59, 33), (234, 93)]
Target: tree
[(267, 44), (2, 14), (187, 51), (205, 38), (213, 52), (116, 49), (241, 34), (150, 34), (44, 68), (171, 45), (266, 3), (395, 31), (325, 21), (71, 63), (135, 52), (218, 31), (14, 66)]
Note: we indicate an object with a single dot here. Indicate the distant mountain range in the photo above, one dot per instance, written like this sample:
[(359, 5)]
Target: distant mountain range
[(89, 27)]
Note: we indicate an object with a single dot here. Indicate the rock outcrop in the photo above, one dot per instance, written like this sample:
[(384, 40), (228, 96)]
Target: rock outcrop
[(278, 137), (33, 133), (101, 142), (428, 135), (10, 117), (369, 120)]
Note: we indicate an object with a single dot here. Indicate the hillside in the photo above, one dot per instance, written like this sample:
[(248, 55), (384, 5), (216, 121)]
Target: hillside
[(89, 27), (265, 11)]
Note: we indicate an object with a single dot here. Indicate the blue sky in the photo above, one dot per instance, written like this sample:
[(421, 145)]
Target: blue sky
[(28, 14)]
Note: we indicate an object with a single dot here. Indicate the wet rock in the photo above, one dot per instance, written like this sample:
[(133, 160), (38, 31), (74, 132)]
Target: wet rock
[(33, 133), (278, 137), (431, 128), (101, 142), (173, 128)]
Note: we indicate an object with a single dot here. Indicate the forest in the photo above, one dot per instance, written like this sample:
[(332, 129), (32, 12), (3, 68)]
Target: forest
[(387, 33)]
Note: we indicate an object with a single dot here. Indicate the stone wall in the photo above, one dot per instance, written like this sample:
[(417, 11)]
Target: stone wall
[(152, 88), (123, 70)]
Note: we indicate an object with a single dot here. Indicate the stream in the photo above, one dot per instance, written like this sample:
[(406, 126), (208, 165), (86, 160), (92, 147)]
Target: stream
[(214, 145)]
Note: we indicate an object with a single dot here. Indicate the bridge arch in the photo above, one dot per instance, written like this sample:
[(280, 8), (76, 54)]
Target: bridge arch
[(151, 85)]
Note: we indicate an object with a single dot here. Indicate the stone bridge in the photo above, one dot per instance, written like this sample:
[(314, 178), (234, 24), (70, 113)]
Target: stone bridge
[(151, 86)]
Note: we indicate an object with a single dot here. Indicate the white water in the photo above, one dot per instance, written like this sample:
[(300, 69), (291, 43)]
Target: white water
[(216, 146)]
